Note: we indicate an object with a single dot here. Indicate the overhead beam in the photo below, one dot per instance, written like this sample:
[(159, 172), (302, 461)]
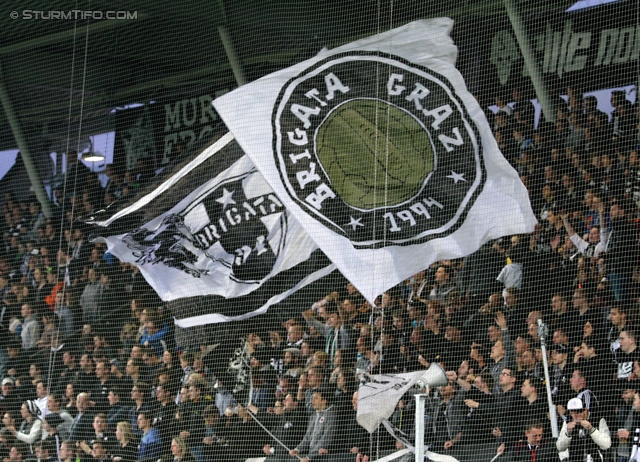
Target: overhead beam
[(227, 43), (232, 56), (530, 62), (25, 153)]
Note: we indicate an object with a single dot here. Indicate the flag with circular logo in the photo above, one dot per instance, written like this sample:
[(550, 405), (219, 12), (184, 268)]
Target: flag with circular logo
[(211, 231), (381, 153)]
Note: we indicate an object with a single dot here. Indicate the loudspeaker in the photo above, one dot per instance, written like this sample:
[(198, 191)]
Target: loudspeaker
[(434, 377)]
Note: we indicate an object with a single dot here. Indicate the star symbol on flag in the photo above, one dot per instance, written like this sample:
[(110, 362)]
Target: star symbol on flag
[(456, 177), (354, 222), (226, 198)]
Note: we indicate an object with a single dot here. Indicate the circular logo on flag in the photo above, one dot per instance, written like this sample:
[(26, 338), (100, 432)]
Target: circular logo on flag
[(378, 149), (236, 227)]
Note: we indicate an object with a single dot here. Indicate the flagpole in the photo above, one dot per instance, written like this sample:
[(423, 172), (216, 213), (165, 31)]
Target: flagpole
[(268, 432), (542, 333), (420, 406)]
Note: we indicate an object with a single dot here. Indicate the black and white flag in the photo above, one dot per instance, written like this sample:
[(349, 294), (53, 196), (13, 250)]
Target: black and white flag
[(381, 153), (379, 394), (219, 233)]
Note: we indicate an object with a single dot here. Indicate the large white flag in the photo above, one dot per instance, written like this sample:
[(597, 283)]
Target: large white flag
[(382, 154), (220, 232)]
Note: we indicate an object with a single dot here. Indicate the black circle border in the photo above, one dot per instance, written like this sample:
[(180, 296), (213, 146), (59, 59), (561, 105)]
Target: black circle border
[(380, 243)]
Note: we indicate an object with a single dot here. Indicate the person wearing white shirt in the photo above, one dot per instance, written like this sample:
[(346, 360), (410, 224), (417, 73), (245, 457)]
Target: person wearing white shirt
[(43, 398), (30, 431), (598, 237)]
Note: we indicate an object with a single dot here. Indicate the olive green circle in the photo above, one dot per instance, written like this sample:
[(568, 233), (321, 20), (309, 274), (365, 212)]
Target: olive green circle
[(375, 154)]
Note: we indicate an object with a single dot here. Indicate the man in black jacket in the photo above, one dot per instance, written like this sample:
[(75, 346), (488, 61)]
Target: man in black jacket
[(288, 425), (17, 363), (86, 379), (100, 391), (478, 421), (117, 410), (479, 274), (534, 406), (621, 252), (101, 434), (10, 401), (165, 413), (82, 426), (389, 360), (69, 371), (534, 448), (505, 412), (193, 413)]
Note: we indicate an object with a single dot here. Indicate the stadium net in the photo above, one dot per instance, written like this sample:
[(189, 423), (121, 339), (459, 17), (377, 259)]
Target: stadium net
[(341, 231)]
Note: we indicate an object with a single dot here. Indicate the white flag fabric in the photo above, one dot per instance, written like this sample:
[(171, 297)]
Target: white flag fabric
[(220, 233), (381, 153), (379, 395)]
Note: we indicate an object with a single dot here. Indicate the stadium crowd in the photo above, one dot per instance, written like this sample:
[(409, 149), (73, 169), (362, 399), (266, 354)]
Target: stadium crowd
[(90, 370)]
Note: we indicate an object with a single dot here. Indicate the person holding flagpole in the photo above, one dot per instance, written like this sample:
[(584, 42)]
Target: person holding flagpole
[(320, 436)]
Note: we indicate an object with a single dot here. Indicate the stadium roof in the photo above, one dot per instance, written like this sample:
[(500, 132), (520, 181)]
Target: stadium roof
[(168, 48)]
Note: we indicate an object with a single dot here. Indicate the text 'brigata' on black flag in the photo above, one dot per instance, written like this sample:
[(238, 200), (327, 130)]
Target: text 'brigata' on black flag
[(218, 232)]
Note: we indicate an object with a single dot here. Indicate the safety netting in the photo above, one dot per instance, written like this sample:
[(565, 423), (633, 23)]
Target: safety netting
[(340, 231)]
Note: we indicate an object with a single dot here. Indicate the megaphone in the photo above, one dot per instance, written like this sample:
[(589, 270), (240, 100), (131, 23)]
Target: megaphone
[(434, 377)]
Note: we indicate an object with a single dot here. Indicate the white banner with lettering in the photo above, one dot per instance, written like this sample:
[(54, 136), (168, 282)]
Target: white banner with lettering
[(381, 153)]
